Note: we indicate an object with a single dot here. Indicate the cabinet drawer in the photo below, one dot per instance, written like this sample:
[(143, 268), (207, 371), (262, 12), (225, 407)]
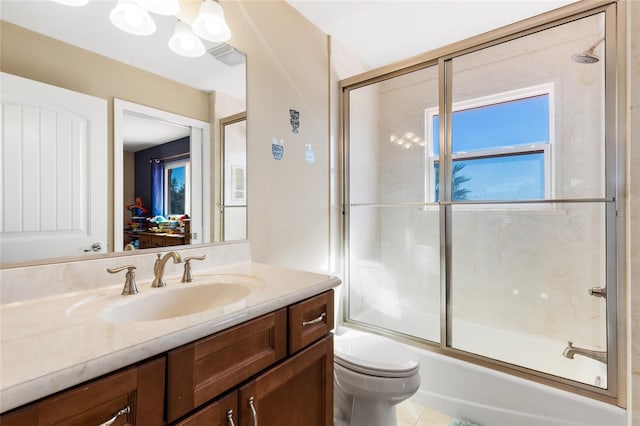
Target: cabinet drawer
[(310, 320), (141, 389), (201, 371)]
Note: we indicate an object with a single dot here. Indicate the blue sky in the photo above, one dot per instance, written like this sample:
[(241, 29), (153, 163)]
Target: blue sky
[(507, 124)]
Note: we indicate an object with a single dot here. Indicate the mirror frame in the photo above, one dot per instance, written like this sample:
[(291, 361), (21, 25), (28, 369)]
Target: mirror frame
[(120, 107)]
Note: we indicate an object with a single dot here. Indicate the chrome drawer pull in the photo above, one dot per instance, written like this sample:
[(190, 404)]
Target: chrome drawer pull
[(253, 411), (125, 410), (230, 417), (314, 321)]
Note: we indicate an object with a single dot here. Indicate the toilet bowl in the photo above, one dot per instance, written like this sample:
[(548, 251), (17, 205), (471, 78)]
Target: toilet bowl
[(372, 375)]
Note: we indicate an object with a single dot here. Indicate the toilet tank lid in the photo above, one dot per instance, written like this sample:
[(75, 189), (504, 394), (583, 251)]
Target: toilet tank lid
[(377, 354)]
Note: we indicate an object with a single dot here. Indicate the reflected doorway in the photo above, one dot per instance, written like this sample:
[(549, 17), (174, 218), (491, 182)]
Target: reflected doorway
[(177, 175), (233, 210)]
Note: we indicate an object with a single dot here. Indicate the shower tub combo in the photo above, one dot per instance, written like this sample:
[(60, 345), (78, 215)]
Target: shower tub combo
[(491, 398)]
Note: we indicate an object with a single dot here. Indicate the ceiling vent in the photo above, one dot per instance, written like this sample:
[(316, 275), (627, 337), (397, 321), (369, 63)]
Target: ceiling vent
[(227, 54)]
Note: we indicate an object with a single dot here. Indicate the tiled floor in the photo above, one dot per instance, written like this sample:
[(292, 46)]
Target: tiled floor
[(411, 414)]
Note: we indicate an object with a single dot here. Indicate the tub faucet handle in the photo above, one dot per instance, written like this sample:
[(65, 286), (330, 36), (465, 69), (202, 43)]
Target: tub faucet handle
[(598, 292)]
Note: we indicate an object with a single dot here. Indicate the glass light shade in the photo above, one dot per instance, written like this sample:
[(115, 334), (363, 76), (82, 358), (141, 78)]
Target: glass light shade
[(184, 42), (210, 23), (131, 18), (160, 7), (72, 2)]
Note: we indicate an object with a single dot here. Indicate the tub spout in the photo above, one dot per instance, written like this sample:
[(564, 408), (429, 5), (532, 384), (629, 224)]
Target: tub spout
[(571, 350)]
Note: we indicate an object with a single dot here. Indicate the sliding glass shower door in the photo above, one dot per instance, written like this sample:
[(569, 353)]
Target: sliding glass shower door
[(481, 199), (394, 241)]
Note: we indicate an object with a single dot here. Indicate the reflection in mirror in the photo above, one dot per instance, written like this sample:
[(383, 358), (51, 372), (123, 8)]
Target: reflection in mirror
[(178, 149), (234, 158), (157, 182), (113, 64)]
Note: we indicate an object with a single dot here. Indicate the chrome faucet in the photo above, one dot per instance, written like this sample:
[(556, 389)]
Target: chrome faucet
[(571, 350), (158, 268)]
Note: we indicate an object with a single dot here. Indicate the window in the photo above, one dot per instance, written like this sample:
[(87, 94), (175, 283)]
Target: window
[(500, 147), (177, 197)]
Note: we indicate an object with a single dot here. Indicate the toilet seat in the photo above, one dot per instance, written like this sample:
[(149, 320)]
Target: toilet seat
[(375, 356)]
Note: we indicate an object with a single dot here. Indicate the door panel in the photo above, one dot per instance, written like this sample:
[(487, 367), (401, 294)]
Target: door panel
[(53, 171)]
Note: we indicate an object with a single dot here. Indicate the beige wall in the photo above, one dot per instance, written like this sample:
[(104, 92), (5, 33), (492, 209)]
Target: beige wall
[(633, 147), (34, 56), (288, 68)]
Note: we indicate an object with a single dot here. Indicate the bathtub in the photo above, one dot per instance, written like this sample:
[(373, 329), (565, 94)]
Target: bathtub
[(491, 398)]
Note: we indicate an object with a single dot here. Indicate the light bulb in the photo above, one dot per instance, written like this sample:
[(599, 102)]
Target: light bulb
[(210, 24), (185, 43), (131, 18), (134, 17)]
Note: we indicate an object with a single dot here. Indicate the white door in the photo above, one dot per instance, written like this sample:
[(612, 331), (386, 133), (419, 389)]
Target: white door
[(53, 171)]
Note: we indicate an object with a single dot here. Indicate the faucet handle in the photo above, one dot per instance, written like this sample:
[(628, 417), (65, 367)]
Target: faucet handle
[(130, 278), (186, 275)]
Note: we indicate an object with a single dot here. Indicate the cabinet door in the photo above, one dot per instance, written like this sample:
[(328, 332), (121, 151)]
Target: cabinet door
[(201, 371), (131, 397), (223, 412), (297, 392)]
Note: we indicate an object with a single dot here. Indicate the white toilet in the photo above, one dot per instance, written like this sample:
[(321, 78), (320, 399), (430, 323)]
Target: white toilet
[(372, 375)]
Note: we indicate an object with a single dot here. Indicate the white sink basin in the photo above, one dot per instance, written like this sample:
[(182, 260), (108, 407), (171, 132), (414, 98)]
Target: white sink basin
[(165, 303), (210, 291)]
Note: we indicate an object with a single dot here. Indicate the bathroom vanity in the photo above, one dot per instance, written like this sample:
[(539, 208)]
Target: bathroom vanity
[(265, 359)]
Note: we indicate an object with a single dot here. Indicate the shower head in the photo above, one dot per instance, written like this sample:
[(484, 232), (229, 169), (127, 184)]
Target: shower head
[(588, 56)]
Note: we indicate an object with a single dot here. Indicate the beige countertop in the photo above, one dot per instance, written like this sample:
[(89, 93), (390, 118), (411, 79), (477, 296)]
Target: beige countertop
[(51, 343)]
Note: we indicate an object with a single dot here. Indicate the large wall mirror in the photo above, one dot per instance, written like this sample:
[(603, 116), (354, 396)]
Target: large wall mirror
[(161, 109)]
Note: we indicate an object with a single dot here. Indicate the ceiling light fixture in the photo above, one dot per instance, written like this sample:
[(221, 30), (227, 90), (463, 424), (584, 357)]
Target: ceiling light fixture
[(72, 2), (210, 23), (184, 42), (160, 7), (131, 18)]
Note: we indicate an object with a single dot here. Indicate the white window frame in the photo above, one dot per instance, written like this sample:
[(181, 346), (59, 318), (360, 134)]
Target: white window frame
[(512, 95), (186, 163)]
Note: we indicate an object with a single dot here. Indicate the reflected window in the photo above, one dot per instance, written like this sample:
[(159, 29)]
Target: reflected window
[(500, 147), (176, 188)]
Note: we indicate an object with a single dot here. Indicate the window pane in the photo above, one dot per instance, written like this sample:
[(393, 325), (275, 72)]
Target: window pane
[(505, 124), (512, 177), (176, 190)]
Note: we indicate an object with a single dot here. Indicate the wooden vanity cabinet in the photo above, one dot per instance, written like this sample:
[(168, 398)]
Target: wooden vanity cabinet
[(134, 396), (276, 369), (200, 371), (251, 360)]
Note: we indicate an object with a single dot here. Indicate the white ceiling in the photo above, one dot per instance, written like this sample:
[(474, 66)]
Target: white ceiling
[(380, 32), (142, 133)]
